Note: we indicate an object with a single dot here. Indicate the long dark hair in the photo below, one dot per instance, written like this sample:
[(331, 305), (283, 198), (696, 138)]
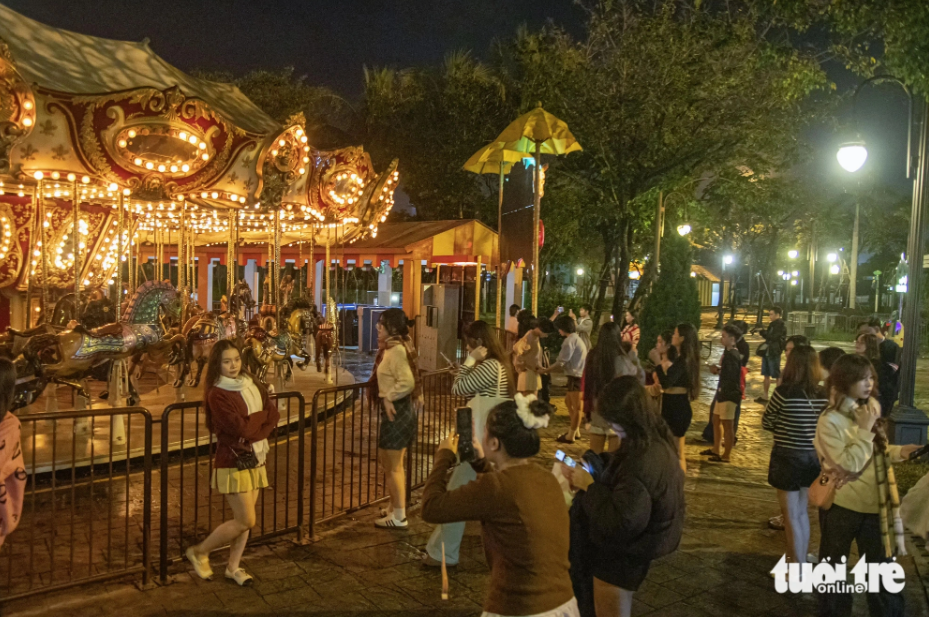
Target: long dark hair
[(7, 385), (479, 334), (872, 347), (623, 402), (803, 370), (395, 322), (505, 424), (214, 371), (666, 336), (602, 358), (690, 356)]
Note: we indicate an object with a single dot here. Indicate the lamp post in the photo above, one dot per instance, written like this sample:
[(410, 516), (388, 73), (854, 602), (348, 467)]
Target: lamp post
[(909, 424), (727, 260)]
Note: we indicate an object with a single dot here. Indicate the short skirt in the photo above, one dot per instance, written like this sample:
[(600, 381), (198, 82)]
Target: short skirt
[(676, 411), (791, 469), (229, 480), (400, 432), (528, 381), (599, 426)]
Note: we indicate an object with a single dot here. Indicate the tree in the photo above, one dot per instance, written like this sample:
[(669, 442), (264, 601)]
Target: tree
[(674, 298), (660, 94), (433, 120)]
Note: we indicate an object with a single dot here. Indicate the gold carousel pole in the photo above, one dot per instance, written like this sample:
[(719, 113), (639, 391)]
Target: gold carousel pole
[(311, 269), (43, 237), (120, 225), (277, 260), (230, 258), (75, 240), (30, 260), (181, 274)]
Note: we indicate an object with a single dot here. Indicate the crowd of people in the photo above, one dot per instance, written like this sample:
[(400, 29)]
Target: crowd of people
[(627, 491)]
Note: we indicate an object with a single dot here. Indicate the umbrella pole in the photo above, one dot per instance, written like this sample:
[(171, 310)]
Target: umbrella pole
[(499, 234), (535, 229)]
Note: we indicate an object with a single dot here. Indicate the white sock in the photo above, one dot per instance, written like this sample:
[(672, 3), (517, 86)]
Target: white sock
[(399, 514)]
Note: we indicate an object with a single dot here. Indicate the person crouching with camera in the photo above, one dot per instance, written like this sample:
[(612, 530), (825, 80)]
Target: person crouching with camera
[(240, 412), (524, 529), (630, 511)]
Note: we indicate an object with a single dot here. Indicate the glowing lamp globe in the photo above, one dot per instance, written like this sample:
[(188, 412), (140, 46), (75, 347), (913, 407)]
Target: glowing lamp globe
[(683, 229), (852, 156)]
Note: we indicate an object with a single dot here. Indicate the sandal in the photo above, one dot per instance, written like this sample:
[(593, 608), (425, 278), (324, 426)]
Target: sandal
[(240, 576), (564, 439), (718, 459), (708, 452), (201, 564)]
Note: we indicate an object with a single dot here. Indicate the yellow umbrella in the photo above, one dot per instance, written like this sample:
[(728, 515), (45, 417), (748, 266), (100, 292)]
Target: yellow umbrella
[(537, 132), (489, 160)]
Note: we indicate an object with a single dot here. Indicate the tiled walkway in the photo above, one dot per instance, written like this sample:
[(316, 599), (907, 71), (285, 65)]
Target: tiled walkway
[(353, 569)]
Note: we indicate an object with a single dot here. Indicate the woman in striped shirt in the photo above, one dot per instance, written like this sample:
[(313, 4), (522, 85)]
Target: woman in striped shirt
[(487, 376), (792, 414)]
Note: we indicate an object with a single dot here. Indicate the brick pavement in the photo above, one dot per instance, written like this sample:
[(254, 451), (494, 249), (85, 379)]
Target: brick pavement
[(721, 568)]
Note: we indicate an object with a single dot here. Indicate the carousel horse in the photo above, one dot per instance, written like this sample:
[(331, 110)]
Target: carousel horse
[(200, 335), (67, 357), (325, 336), (266, 348), (241, 299), (91, 312)]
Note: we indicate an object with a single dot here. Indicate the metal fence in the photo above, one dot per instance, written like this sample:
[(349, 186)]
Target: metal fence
[(89, 519), (95, 514)]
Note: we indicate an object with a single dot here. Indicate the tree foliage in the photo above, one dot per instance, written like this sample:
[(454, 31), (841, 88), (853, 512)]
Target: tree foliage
[(674, 298)]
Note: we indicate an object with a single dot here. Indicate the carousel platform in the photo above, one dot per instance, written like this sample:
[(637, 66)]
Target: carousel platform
[(93, 440)]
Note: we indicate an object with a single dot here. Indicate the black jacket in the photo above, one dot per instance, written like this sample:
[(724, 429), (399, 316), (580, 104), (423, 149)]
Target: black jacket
[(636, 509), (775, 335)]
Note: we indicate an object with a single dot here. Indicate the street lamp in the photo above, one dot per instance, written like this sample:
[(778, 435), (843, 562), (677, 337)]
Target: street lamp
[(831, 257), (580, 271), (793, 254), (905, 418), (683, 229), (852, 156), (727, 261), (834, 269)]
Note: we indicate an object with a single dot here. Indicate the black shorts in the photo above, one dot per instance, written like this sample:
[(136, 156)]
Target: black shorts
[(676, 411), (574, 384), (792, 470)]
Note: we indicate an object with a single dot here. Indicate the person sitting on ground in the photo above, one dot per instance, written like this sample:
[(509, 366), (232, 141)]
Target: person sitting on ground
[(792, 415), (611, 358), (571, 360), (632, 511), (524, 525)]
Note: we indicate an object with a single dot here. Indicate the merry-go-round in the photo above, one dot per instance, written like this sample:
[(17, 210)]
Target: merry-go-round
[(136, 203)]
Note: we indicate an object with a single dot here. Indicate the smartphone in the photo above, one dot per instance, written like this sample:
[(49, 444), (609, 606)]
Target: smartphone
[(561, 309), (570, 462), (921, 452), (559, 455), (447, 361), (465, 434)]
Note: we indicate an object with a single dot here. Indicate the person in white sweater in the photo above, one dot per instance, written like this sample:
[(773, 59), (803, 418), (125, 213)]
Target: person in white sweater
[(397, 390), (853, 449)]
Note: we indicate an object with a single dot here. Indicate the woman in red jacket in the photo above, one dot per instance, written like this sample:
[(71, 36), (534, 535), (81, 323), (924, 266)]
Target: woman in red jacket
[(241, 415)]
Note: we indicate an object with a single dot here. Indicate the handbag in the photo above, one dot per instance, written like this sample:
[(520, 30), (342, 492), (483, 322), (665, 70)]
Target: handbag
[(822, 492), (762, 350), (247, 460)]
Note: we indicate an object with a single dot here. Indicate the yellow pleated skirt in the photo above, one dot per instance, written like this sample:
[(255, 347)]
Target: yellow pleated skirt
[(231, 480)]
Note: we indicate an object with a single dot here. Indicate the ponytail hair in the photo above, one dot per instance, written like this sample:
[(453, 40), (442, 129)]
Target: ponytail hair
[(515, 424)]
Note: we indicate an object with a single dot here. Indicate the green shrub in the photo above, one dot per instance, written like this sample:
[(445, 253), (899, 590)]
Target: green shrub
[(674, 297)]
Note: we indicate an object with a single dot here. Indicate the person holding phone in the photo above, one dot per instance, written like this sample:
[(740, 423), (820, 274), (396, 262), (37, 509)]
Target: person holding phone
[(853, 449), (571, 360), (486, 376), (525, 536), (396, 388), (527, 356), (632, 512), (241, 413)]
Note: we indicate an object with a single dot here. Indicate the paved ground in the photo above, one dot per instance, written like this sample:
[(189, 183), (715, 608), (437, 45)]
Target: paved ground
[(721, 568)]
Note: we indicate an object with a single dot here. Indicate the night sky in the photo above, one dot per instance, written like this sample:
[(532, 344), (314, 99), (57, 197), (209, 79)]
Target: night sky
[(330, 43)]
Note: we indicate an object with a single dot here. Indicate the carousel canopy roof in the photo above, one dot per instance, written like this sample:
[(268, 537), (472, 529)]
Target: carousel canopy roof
[(65, 61)]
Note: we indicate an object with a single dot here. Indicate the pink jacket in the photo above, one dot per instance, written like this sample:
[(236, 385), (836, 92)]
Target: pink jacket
[(12, 476)]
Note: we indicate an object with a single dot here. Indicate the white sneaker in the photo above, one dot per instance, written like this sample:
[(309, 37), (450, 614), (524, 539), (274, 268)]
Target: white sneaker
[(389, 522), (240, 576), (201, 564)]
